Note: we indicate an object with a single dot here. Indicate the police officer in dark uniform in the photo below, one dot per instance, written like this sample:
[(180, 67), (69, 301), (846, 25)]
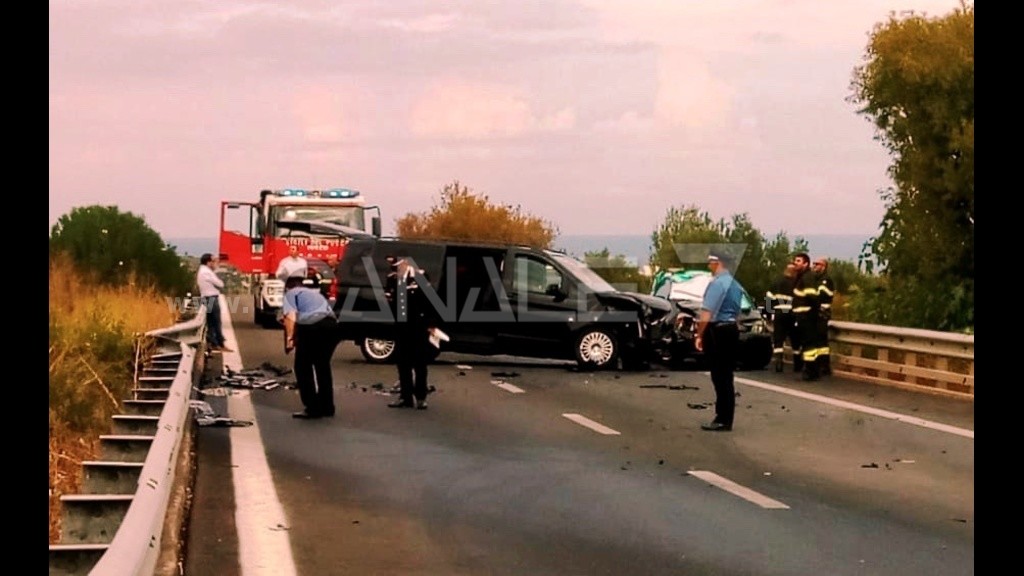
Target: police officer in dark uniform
[(805, 312), (826, 292), (414, 319), (780, 302)]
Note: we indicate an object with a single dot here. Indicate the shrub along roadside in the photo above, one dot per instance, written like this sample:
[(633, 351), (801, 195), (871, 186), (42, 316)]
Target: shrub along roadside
[(93, 331)]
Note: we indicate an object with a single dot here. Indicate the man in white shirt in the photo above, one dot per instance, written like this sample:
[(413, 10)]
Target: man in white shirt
[(210, 286), (293, 265)]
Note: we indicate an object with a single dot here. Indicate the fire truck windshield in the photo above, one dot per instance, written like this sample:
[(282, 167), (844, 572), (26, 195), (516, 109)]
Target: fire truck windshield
[(351, 216)]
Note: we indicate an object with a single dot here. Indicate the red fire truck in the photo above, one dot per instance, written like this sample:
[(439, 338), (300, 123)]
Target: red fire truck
[(254, 236)]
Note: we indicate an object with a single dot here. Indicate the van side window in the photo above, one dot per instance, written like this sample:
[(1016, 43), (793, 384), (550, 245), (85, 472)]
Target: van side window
[(535, 276)]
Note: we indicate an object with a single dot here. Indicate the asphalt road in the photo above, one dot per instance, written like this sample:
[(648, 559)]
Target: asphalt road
[(500, 477)]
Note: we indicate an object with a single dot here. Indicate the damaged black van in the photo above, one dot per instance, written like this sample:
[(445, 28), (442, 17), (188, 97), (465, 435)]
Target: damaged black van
[(502, 299)]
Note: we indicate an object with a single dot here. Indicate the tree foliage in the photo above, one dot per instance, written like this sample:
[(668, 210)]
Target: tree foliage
[(687, 234), (119, 248), (917, 86), (462, 214), (618, 270)]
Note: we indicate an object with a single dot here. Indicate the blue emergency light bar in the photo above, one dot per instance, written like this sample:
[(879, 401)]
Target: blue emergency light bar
[(340, 193), (332, 193)]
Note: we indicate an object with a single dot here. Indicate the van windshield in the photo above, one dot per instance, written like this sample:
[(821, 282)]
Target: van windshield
[(582, 273)]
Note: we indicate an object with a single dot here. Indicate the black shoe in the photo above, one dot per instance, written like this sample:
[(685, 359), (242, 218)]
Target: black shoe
[(306, 415), (400, 403), (421, 404), (716, 427)]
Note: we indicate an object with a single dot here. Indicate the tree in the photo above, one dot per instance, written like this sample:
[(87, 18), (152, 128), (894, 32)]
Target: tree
[(119, 248), (462, 214), (917, 86), (687, 234), (618, 271)]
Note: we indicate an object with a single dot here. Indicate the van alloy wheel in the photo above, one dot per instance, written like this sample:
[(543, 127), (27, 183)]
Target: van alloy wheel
[(596, 348), (375, 350)]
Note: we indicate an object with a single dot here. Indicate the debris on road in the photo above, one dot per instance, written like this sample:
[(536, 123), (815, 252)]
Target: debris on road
[(505, 374), (699, 405), (205, 416), (670, 386), (263, 378)]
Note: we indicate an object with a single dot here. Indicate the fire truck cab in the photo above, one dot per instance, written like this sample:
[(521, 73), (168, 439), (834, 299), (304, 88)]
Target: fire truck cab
[(255, 236)]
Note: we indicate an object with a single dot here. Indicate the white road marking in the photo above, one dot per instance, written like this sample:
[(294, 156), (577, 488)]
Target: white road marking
[(588, 423), (741, 491), (508, 387), (264, 547), (861, 408)]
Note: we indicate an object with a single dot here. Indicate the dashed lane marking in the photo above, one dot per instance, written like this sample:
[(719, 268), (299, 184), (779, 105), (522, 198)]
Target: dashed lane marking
[(738, 490), (588, 423)]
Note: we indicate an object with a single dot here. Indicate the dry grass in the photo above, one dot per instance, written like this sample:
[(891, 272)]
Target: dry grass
[(93, 334)]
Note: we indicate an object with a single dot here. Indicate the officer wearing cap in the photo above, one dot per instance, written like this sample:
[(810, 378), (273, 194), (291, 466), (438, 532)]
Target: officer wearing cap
[(414, 320), (718, 337)]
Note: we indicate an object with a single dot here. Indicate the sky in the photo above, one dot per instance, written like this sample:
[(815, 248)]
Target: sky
[(595, 115)]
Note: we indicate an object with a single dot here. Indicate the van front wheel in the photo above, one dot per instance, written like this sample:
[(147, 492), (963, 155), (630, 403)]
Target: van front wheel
[(596, 349)]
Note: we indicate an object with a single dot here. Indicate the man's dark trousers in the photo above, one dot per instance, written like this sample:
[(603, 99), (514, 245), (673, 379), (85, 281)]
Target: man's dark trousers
[(722, 349), (314, 348), (214, 333), (412, 344)]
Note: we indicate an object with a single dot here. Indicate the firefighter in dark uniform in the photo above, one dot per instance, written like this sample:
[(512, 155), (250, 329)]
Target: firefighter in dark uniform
[(805, 312), (780, 302), (826, 291), (413, 322)]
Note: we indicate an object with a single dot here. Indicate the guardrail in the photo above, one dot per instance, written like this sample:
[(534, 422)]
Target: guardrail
[(920, 360), (124, 524)]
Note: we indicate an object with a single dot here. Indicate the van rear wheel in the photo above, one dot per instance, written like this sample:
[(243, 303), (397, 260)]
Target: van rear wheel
[(377, 351), (596, 349)]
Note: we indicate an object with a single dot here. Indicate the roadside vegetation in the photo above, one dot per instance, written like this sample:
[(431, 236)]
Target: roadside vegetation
[(94, 329)]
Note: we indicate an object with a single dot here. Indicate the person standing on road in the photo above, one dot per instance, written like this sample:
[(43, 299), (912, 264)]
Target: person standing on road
[(718, 337), (780, 300), (210, 286), (414, 322), (292, 265), (826, 292), (805, 309), (311, 329)]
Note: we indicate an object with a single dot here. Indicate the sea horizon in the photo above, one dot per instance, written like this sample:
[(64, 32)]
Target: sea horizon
[(633, 247)]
